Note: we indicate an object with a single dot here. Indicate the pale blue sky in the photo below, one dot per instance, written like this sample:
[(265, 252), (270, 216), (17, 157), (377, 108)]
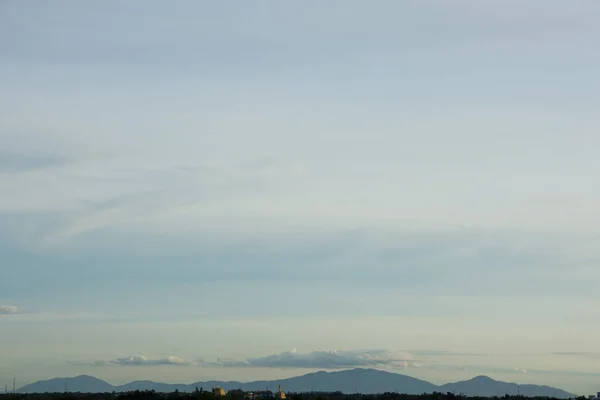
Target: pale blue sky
[(398, 181)]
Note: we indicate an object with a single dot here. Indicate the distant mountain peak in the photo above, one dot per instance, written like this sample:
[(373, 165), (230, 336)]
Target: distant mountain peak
[(483, 378), (84, 376)]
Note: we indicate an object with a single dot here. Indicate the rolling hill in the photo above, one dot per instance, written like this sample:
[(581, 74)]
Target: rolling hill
[(367, 381)]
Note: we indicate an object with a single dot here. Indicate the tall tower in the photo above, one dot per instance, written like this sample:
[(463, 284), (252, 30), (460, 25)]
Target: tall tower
[(280, 395), (14, 385)]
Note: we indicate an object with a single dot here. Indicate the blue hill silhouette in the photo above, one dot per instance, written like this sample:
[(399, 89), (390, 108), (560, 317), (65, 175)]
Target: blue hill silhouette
[(367, 381)]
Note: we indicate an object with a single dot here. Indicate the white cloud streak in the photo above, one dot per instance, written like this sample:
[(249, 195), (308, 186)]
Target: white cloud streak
[(324, 359), (142, 360), (15, 162), (135, 360), (9, 310), (320, 359)]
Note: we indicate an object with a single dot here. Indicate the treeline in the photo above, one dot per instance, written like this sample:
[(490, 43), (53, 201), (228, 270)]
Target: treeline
[(240, 395)]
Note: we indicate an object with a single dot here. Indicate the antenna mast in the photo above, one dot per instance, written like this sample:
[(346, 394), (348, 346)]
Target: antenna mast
[(14, 385)]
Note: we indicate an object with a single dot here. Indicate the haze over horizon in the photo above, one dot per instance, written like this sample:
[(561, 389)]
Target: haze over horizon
[(256, 190)]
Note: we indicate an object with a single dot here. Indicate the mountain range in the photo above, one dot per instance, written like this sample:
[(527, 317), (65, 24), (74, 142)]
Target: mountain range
[(367, 381)]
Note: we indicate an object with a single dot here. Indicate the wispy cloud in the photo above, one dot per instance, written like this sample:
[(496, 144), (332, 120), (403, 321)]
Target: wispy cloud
[(521, 370), (17, 162), (163, 193), (9, 310), (584, 354), (444, 353), (141, 360), (325, 359), (135, 360)]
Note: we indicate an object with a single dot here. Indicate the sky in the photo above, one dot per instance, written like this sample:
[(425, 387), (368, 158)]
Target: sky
[(256, 190)]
